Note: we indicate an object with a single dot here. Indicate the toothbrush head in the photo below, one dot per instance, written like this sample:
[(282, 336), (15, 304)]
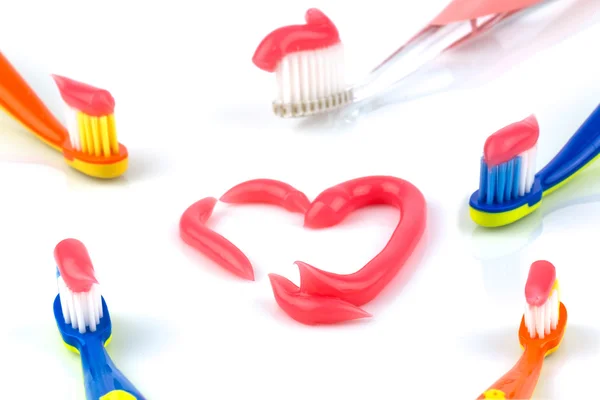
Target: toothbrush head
[(545, 319), (308, 62), (72, 338), (508, 187)]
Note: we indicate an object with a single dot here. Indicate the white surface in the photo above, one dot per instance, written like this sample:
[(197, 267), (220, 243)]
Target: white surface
[(196, 117)]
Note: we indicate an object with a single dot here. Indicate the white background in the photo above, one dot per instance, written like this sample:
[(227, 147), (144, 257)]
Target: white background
[(195, 114)]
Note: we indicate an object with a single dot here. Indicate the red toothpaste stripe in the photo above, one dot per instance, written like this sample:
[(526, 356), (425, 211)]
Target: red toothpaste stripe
[(322, 297), (75, 265), (510, 141), (542, 276), (85, 98), (318, 33)]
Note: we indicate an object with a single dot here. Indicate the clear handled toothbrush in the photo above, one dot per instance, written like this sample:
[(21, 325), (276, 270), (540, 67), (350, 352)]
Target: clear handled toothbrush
[(489, 55), (308, 60)]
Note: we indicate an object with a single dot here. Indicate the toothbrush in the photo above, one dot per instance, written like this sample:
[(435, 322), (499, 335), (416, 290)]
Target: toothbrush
[(488, 56), (308, 60), (84, 323), (90, 144), (509, 189), (540, 334)]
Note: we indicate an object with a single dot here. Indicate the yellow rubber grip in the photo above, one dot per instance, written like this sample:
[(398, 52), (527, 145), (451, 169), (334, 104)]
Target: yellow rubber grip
[(118, 395), (494, 394)]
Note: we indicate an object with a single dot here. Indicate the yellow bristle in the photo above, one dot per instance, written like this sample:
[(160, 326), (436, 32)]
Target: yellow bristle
[(89, 139), (82, 138), (104, 135), (557, 288), (98, 135), (95, 134), (112, 134)]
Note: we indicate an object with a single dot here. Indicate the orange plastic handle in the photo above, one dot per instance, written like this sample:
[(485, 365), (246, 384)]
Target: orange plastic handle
[(521, 380), (23, 104)]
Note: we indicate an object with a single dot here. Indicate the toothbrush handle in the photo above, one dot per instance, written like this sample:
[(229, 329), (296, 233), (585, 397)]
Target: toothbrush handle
[(19, 100), (102, 378), (427, 45), (427, 80), (579, 151), (421, 49), (520, 381)]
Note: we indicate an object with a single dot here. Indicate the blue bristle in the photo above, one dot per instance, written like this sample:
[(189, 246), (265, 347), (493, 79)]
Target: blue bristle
[(500, 183), (509, 180), (491, 184), (57, 273), (483, 173), (516, 174)]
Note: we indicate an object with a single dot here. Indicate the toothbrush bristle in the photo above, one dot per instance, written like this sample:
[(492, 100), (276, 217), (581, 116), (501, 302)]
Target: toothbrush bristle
[(82, 310), (507, 181), (508, 165), (78, 288), (92, 135), (311, 82), (89, 115), (308, 62), (543, 300)]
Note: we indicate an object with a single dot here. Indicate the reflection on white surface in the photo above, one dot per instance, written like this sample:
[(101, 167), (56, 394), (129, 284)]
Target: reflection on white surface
[(18, 146), (516, 40), (503, 252), (560, 231), (502, 344)]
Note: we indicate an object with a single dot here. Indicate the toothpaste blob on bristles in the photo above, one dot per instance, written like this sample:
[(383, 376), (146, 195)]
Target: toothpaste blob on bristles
[(508, 165), (79, 291), (543, 299), (90, 119)]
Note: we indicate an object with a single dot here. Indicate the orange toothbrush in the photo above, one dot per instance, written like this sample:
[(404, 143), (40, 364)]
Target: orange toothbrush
[(541, 332), (90, 147)]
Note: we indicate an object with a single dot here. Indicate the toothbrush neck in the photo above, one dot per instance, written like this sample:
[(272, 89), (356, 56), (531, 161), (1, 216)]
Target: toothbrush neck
[(95, 360), (576, 154), (520, 381), (101, 376)]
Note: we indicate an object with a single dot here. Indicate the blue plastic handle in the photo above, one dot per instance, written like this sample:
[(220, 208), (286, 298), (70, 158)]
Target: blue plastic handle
[(103, 381), (582, 148), (100, 374)]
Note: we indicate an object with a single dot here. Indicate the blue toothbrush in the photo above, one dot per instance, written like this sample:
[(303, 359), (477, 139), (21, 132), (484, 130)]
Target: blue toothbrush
[(87, 312), (499, 202)]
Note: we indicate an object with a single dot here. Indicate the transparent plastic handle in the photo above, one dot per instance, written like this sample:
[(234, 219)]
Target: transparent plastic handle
[(424, 48), (477, 60), (431, 78)]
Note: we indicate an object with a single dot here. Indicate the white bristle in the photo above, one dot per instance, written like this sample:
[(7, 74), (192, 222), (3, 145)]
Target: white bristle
[(72, 127), (541, 320), (80, 310), (508, 181), (91, 134), (527, 170), (309, 82), (531, 168)]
